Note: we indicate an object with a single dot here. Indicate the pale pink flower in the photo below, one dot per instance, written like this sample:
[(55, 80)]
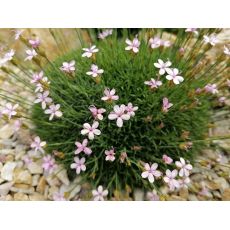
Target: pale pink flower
[(27, 160), (49, 164), (17, 125), (82, 147), (89, 51), (222, 100), (165, 43), (110, 155), (226, 50), (170, 179), (151, 172), (37, 77), (59, 196), (155, 42), (119, 114), (152, 196), (99, 194), (7, 57), (40, 86), (130, 109), (30, 54), (38, 145), (43, 99), (133, 45), (173, 75), (184, 182), (153, 83), (110, 95), (79, 165), (105, 34), (163, 66), (95, 71), (91, 130), (34, 42), (10, 110), (211, 88), (192, 30), (166, 105), (53, 111), (18, 34), (68, 67), (97, 113), (167, 160), (212, 39), (184, 168)]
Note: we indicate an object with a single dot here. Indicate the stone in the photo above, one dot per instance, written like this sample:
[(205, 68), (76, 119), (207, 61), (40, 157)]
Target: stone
[(52, 181), (36, 197), (7, 171), (62, 175), (223, 184), (212, 185), (22, 177), (41, 185), (5, 188), (192, 197), (184, 193), (217, 194), (226, 195), (35, 168), (6, 131), (138, 195), (7, 152), (175, 198), (21, 197), (22, 188), (35, 180), (52, 190)]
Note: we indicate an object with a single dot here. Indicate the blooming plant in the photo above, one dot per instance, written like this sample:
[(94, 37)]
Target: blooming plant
[(126, 130)]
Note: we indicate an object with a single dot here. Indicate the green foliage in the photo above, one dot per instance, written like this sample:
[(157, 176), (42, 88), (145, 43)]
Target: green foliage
[(146, 136)]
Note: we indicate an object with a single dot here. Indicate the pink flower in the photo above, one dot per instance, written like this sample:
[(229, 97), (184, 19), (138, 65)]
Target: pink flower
[(38, 145), (153, 83), (105, 34), (222, 100), (170, 179), (91, 130), (89, 51), (18, 34), (53, 111), (184, 182), (152, 196), (27, 160), (58, 196), (212, 40), (192, 30), (43, 98), (166, 105), (131, 110), (110, 155), (133, 45), (95, 71), (173, 75), (155, 42), (30, 54), (226, 50), (49, 164), (99, 194), (211, 88), (82, 147), (168, 160), (68, 67), (151, 172), (8, 56), (163, 66), (17, 125), (40, 86), (184, 168), (79, 165), (97, 113), (119, 114), (37, 77), (34, 42), (110, 95), (10, 110)]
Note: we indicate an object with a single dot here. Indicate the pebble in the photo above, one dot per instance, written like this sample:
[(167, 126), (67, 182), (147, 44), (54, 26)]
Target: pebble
[(138, 195), (7, 171), (226, 195), (41, 185), (62, 175), (6, 131), (35, 168), (36, 197), (35, 179), (5, 188), (21, 197), (22, 177)]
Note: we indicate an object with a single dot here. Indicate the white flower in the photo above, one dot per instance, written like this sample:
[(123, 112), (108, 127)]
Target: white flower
[(38, 145), (95, 71), (54, 111), (151, 172), (192, 30), (10, 110), (163, 66), (68, 67), (89, 51), (173, 75), (133, 45), (184, 168), (7, 57), (43, 98), (109, 95), (79, 165), (131, 110), (105, 34), (119, 114), (18, 34), (91, 130), (30, 54), (40, 85), (110, 155), (99, 194), (153, 83), (226, 50), (212, 40), (170, 179)]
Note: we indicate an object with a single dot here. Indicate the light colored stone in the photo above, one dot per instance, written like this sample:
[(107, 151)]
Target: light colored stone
[(52, 190), (5, 188), (138, 195), (36, 197), (226, 195), (184, 193), (223, 184), (62, 175), (21, 197), (192, 197), (175, 198), (35, 180), (6, 131), (22, 176), (7, 171), (22, 188), (53, 181), (35, 168), (217, 194), (41, 185), (7, 151)]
